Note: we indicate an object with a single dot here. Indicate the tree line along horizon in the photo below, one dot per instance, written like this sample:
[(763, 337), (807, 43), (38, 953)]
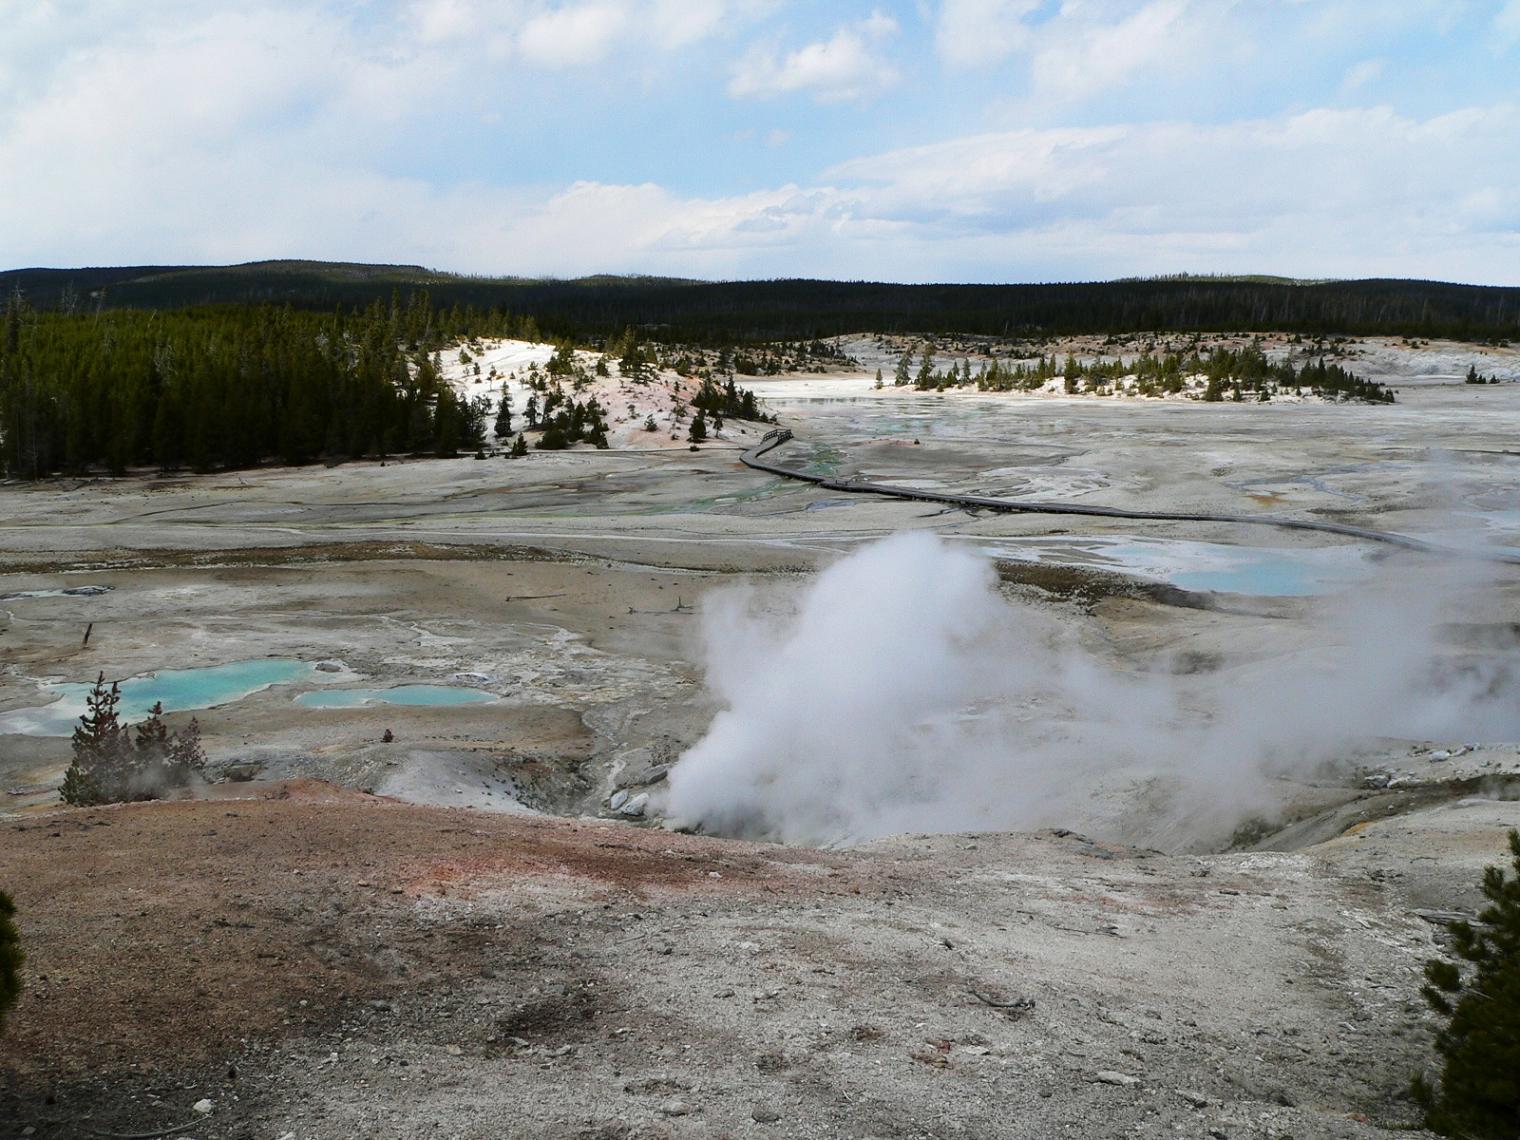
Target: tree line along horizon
[(236, 385)]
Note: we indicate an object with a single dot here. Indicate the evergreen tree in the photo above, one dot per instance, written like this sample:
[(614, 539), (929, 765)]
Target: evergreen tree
[(151, 746), (902, 373), (446, 421), (634, 362), (112, 763), (101, 767), (504, 416), (698, 431), (926, 368), (1479, 1091), (185, 761), (519, 446), (11, 957)]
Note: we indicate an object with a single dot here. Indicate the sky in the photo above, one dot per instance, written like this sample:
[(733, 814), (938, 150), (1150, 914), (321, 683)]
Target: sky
[(918, 140)]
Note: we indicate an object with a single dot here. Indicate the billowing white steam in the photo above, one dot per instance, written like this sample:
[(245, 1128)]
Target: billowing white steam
[(902, 693)]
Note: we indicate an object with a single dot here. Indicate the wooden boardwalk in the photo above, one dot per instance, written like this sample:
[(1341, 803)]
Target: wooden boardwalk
[(753, 457)]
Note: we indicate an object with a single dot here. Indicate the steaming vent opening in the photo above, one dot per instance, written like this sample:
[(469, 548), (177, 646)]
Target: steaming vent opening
[(900, 692)]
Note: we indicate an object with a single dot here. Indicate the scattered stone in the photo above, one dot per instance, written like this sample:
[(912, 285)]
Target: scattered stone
[(454, 1051), (1014, 1009), (1438, 755), (764, 1114), (657, 1085), (203, 1106), (675, 1106), (1197, 1100), (635, 806), (1109, 1077), (644, 775), (1443, 917), (619, 798), (330, 666), (242, 772)]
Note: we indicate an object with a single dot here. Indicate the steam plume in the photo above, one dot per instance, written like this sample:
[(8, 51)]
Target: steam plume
[(902, 693)]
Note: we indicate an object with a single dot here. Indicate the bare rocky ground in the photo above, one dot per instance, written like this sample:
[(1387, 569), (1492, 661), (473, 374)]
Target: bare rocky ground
[(317, 958), (319, 964)]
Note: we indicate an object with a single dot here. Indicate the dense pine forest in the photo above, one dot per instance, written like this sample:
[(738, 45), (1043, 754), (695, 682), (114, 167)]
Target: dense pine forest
[(729, 313), (231, 386), (300, 361)]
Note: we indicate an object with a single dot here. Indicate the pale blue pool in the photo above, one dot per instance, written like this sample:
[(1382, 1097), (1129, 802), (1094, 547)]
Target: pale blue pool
[(180, 690), (413, 695), (1266, 577), (1203, 566)]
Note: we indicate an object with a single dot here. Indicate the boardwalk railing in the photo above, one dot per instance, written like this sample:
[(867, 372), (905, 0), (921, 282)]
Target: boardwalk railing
[(779, 436)]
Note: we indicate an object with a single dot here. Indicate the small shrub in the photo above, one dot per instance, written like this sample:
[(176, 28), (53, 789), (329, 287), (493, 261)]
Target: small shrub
[(11, 957), (1478, 1097)]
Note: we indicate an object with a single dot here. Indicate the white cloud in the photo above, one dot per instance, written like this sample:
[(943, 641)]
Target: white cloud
[(846, 66), (573, 36), (1080, 56), (440, 21), (676, 24), (559, 34), (224, 132), (1321, 193), (980, 33)]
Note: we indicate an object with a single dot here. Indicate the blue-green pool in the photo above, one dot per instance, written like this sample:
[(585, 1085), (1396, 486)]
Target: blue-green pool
[(180, 690), (413, 695)]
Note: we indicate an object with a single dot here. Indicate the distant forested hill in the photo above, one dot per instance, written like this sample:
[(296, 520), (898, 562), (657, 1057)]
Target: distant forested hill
[(716, 312)]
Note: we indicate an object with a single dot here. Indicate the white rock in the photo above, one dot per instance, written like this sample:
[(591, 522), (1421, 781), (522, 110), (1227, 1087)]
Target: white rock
[(203, 1106), (1109, 1077), (636, 805)]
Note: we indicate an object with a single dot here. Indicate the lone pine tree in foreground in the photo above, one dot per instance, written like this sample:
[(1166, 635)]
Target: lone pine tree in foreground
[(109, 766), (102, 749), (1478, 1096)]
